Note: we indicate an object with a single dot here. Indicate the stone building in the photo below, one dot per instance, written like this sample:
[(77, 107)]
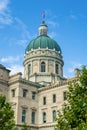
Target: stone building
[(36, 98)]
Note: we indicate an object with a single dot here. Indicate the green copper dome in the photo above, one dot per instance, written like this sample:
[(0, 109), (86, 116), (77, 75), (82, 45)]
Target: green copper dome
[(43, 41)]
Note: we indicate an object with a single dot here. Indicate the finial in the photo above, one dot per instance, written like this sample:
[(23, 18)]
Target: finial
[(43, 15)]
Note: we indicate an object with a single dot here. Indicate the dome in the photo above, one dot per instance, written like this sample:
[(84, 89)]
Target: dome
[(43, 42)]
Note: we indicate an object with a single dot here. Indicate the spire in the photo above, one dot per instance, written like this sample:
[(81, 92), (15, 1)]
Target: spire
[(43, 27)]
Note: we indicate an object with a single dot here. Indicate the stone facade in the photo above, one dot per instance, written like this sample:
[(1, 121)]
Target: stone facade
[(14, 92), (34, 58), (36, 98)]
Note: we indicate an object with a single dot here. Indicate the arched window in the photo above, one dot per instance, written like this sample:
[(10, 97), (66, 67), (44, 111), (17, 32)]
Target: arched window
[(42, 66), (44, 117), (54, 115), (56, 68)]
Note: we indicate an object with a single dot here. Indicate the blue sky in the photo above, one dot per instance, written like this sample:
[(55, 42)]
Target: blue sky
[(67, 23)]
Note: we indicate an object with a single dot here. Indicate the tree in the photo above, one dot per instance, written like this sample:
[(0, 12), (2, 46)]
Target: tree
[(73, 115), (25, 127), (6, 115)]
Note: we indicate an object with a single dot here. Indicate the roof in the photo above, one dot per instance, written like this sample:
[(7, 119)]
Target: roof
[(43, 42), (4, 68)]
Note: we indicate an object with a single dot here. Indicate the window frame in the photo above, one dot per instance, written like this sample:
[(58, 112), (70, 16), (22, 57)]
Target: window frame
[(43, 66), (33, 117), (23, 119), (33, 95), (54, 98), (56, 68), (13, 92), (44, 100), (44, 117), (54, 115), (24, 93), (64, 95), (29, 69)]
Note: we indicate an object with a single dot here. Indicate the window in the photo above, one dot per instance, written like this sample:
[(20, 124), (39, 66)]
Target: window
[(43, 67), (29, 69), (64, 96), (33, 95), (56, 69), (54, 115), (44, 117), (54, 98), (33, 118), (13, 92), (23, 116), (24, 92), (44, 100)]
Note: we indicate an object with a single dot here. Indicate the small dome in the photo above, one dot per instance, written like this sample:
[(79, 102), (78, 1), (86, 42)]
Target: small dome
[(43, 42)]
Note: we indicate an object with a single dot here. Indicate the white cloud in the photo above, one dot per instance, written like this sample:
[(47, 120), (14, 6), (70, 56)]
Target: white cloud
[(25, 35), (13, 64), (22, 27), (15, 69), (52, 34), (50, 14), (69, 71), (73, 66), (22, 42), (3, 5), (9, 59), (5, 14), (52, 23)]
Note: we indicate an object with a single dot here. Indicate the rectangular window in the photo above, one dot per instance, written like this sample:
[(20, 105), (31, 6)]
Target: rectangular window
[(13, 92), (54, 115), (23, 116), (44, 100), (56, 69), (33, 118), (44, 117), (64, 96), (54, 98), (33, 95), (24, 92), (29, 69)]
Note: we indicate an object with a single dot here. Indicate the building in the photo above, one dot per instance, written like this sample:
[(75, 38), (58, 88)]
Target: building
[(36, 98)]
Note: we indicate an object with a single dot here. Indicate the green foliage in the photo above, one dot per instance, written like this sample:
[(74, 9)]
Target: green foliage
[(73, 115), (6, 115), (25, 127)]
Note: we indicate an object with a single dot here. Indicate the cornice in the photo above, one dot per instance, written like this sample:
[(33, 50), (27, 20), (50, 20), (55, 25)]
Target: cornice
[(3, 82), (45, 125), (59, 84), (24, 82), (39, 87), (45, 57), (39, 53)]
